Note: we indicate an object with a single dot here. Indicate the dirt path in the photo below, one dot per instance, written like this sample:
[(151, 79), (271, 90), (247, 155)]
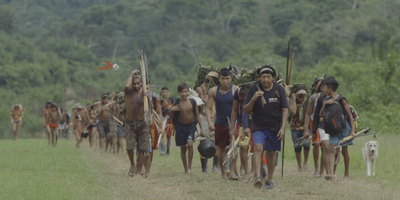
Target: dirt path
[(169, 182)]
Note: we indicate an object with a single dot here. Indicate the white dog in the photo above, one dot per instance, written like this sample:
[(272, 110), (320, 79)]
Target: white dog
[(370, 154)]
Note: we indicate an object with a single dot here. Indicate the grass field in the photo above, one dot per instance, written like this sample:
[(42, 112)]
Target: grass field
[(30, 169)]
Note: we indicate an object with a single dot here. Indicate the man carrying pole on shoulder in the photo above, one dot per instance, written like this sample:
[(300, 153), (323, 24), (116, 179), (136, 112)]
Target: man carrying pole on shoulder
[(136, 129)]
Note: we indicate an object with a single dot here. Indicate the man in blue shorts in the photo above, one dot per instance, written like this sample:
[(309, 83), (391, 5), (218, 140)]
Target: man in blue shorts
[(267, 102)]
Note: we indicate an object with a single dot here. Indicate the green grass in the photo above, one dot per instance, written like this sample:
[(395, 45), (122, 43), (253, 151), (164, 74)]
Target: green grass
[(30, 169), (387, 165)]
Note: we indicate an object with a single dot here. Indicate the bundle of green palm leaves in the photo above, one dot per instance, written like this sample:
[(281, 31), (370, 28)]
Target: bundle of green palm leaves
[(314, 87), (245, 76), (206, 71)]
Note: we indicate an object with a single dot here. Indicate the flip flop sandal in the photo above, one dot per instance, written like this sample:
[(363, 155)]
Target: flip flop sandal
[(234, 178), (316, 175)]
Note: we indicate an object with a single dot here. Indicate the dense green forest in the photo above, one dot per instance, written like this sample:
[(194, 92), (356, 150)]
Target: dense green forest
[(49, 49)]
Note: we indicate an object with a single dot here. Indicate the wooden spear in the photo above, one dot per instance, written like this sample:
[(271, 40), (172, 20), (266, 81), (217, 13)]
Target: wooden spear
[(287, 83), (291, 64)]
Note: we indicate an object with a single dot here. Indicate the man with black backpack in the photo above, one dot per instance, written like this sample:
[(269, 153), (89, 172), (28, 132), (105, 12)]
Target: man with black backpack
[(185, 116), (338, 123)]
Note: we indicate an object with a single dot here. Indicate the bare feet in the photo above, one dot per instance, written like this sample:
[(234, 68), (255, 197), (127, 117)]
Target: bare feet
[(132, 171), (223, 177)]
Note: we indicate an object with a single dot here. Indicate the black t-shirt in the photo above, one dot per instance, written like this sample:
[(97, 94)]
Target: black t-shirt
[(269, 117)]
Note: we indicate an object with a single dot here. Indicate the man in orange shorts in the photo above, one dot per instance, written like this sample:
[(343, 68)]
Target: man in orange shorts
[(53, 123)]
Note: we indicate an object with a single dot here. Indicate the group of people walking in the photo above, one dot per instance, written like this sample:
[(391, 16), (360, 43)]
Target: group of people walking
[(231, 116)]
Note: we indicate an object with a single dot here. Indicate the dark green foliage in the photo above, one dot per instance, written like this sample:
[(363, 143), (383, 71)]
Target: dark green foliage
[(49, 49)]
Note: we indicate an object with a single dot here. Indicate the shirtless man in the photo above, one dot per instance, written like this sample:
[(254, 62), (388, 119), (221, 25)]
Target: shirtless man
[(63, 122), (77, 124), (16, 119), (185, 114), (241, 121), (104, 125), (54, 121), (91, 126), (46, 111), (120, 129), (223, 97), (136, 129)]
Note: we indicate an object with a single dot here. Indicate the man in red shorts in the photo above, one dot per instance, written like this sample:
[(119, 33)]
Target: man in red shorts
[(223, 97), (153, 138), (53, 123)]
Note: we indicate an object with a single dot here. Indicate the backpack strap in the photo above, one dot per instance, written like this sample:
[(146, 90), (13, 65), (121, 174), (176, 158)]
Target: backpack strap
[(194, 108), (339, 99), (176, 113)]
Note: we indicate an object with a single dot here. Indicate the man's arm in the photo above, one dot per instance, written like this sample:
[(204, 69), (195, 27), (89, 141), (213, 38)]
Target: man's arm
[(129, 81), (199, 120), (347, 108), (249, 106), (281, 132), (316, 115), (310, 110), (44, 117), (88, 117), (328, 102), (203, 97), (158, 105), (209, 105)]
